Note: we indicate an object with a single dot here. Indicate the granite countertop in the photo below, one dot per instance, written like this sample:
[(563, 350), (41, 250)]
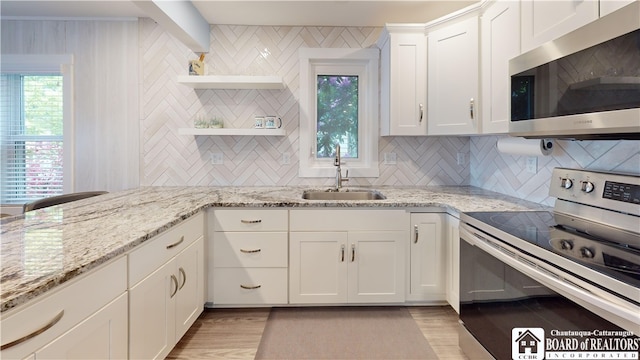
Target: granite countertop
[(47, 247)]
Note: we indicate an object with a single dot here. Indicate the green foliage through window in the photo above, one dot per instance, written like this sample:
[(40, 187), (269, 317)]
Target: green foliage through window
[(337, 116)]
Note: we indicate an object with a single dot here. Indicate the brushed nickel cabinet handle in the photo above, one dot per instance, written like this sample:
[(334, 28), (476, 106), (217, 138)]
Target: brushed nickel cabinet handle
[(342, 253), (250, 287), (471, 103), (353, 252), (44, 328), (184, 278), (251, 221), (174, 279), (415, 231), (421, 112), (250, 251), (176, 243)]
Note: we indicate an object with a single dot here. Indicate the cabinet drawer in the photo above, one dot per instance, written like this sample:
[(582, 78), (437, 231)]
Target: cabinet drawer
[(61, 310), (265, 286), (251, 220), (348, 220), (250, 249), (157, 251)]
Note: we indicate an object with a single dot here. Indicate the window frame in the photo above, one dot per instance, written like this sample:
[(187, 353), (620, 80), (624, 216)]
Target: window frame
[(320, 61), (47, 64)]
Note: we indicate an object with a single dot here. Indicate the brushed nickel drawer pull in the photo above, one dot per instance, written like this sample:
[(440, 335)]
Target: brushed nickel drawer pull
[(176, 243), (471, 104), (251, 221), (35, 333), (175, 282), (184, 278), (250, 251), (247, 287)]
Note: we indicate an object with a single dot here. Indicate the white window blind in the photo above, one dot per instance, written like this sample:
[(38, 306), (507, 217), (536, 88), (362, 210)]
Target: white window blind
[(31, 122)]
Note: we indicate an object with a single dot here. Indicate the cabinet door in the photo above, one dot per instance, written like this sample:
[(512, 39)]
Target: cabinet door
[(427, 269), (453, 79), (544, 20), (152, 314), (404, 79), (190, 295), (500, 25), (101, 336), (318, 267), (609, 6), (453, 262), (376, 266)]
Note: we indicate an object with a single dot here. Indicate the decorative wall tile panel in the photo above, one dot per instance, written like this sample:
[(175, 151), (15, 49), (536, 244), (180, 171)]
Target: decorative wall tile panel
[(171, 159), (507, 174)]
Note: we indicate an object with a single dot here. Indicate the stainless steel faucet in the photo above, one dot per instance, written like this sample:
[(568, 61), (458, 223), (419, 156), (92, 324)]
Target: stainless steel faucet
[(336, 163)]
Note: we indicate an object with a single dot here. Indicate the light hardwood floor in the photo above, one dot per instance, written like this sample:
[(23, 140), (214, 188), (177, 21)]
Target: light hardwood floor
[(236, 333)]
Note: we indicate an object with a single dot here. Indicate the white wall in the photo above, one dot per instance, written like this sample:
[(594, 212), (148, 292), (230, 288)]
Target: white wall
[(119, 147), (105, 107)]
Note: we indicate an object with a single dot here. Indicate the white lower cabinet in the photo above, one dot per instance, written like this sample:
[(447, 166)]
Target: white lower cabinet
[(249, 256), (102, 336), (85, 319), (351, 256), (427, 270), (452, 259), (166, 302)]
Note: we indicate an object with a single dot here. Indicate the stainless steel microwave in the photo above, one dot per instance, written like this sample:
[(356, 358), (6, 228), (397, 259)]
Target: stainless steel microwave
[(584, 85)]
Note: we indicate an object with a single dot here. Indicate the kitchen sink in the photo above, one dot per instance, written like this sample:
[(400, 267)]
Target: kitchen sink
[(342, 195)]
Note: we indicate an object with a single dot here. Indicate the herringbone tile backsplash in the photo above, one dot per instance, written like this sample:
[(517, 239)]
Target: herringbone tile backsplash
[(172, 159), (507, 174)]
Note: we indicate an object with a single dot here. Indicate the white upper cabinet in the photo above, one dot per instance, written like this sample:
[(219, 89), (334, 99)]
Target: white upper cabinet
[(544, 20), (609, 6), (453, 79), (403, 78), (500, 41)]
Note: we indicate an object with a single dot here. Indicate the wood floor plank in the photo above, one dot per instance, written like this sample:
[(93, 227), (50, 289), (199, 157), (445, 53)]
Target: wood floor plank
[(235, 334)]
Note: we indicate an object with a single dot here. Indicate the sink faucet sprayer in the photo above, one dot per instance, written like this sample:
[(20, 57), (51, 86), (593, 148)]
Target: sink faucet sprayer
[(336, 162)]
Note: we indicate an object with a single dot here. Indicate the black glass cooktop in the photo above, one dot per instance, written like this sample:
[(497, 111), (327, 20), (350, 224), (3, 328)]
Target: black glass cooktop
[(539, 227)]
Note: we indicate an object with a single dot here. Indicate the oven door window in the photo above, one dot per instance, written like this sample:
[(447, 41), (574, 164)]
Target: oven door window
[(495, 298)]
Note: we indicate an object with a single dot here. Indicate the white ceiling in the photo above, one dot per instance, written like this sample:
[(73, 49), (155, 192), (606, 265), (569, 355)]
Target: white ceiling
[(252, 12)]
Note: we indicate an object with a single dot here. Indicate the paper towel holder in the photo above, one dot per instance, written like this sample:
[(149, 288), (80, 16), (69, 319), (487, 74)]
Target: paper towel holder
[(547, 144)]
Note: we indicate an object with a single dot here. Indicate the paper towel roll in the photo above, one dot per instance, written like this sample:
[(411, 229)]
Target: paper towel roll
[(522, 146)]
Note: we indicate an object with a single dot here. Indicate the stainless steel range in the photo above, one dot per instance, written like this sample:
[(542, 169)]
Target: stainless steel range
[(572, 270)]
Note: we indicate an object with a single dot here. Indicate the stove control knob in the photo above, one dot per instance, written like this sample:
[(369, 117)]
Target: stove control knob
[(566, 183), (566, 244), (587, 186), (587, 253)]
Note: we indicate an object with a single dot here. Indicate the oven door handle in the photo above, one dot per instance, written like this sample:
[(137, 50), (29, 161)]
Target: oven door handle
[(556, 282)]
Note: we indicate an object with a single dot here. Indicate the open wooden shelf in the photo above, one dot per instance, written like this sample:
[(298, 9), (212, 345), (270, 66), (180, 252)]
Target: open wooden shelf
[(229, 131), (231, 82)]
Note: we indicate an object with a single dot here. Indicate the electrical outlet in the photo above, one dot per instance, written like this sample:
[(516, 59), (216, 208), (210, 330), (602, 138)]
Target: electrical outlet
[(286, 159), (390, 158), (532, 164), (460, 158), (216, 158)]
